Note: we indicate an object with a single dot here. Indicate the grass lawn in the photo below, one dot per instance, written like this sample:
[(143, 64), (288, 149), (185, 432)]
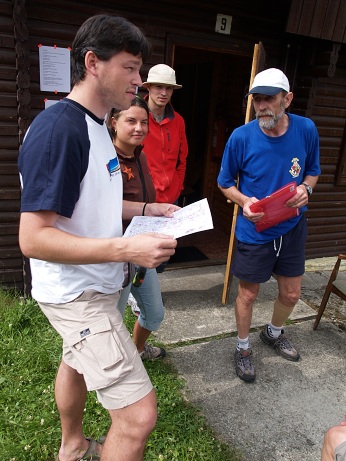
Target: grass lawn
[(29, 427)]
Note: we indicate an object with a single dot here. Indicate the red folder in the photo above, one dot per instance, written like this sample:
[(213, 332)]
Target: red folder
[(274, 208)]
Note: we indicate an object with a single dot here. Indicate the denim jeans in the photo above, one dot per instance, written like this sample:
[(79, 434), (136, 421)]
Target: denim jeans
[(149, 299)]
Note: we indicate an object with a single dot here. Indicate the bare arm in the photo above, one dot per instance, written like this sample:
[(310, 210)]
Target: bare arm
[(334, 437), (40, 239), (234, 195)]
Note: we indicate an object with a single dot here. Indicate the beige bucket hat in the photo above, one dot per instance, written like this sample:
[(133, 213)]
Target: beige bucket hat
[(162, 74)]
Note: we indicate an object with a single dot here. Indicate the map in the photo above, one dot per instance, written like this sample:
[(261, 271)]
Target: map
[(188, 220)]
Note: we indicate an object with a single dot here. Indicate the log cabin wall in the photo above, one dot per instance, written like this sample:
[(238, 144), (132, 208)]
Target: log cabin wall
[(181, 32), (318, 19), (320, 94), (11, 273)]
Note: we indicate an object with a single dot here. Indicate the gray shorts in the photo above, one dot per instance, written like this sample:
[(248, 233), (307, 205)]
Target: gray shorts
[(97, 345), (340, 452)]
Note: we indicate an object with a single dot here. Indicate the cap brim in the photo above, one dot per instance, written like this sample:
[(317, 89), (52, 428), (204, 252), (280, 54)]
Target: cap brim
[(147, 84), (268, 90)]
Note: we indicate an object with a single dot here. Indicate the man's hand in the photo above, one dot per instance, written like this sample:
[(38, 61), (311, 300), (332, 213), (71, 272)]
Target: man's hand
[(149, 250), (300, 199), (253, 217)]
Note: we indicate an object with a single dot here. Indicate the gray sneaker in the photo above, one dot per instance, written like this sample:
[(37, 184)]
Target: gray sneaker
[(282, 345), (151, 352), (244, 366)]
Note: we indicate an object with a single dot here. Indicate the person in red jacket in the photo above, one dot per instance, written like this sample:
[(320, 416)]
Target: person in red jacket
[(166, 143)]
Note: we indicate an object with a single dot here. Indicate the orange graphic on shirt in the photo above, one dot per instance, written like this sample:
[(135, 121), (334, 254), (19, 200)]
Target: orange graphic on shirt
[(129, 173)]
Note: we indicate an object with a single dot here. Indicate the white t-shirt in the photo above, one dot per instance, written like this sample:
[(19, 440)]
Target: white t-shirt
[(68, 164)]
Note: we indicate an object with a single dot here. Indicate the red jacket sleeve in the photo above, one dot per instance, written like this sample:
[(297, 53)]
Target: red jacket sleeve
[(181, 168)]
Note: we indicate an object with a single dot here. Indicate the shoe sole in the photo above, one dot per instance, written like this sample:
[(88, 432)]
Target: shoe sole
[(278, 350)]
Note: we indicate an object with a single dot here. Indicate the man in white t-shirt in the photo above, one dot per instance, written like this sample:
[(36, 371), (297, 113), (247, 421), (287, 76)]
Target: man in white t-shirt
[(71, 229)]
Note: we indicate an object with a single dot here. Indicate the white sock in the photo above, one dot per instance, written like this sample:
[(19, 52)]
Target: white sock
[(273, 332), (243, 344)]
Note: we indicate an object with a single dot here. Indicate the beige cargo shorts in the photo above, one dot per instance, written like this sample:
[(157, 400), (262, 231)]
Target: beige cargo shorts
[(97, 345)]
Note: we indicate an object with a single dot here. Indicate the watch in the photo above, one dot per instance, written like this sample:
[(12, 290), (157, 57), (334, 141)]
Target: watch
[(308, 188)]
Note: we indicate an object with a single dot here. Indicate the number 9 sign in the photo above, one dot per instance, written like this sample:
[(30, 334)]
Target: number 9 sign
[(223, 24)]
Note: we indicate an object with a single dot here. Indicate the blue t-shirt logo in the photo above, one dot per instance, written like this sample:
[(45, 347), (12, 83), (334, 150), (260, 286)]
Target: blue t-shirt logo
[(295, 168), (113, 166)]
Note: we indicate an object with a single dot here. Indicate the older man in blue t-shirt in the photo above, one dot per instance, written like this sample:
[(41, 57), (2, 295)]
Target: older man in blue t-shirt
[(265, 155)]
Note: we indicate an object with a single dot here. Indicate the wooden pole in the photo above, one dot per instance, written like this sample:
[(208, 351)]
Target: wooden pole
[(228, 276)]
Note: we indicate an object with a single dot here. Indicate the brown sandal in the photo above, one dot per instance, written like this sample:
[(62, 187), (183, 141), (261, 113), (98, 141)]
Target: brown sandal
[(91, 453)]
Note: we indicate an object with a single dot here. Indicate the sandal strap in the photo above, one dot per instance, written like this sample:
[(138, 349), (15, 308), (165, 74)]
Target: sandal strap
[(91, 453)]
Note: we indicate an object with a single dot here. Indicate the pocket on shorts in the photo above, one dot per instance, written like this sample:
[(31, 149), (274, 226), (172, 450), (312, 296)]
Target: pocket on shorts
[(100, 355)]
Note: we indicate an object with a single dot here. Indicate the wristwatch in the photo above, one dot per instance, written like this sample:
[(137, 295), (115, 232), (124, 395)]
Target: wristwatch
[(308, 188)]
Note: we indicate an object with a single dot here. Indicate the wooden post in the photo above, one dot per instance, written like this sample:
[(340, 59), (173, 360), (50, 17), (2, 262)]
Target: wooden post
[(228, 276)]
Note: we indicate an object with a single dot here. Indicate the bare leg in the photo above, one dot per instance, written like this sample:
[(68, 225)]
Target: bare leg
[(289, 289), (70, 396), (140, 335), (247, 294), (130, 429)]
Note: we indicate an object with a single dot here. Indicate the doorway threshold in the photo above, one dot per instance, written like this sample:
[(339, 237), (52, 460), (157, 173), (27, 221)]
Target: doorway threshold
[(192, 264)]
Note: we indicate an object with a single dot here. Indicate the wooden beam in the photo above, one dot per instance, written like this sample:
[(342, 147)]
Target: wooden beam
[(257, 64)]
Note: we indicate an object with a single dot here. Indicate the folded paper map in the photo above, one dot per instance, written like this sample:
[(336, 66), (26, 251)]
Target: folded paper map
[(188, 220)]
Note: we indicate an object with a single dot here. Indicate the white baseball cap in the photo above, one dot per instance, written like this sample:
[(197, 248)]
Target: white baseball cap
[(162, 74), (270, 82)]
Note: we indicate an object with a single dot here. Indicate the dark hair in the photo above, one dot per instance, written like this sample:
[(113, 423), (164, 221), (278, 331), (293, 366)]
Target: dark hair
[(138, 101), (106, 35)]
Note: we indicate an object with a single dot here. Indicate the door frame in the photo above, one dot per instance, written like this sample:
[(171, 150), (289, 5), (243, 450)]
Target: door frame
[(221, 45), (203, 42)]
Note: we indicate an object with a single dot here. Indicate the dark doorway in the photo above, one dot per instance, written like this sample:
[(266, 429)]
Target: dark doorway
[(212, 104), (192, 103)]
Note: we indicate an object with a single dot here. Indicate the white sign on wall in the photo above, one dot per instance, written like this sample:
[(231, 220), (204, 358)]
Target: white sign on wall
[(55, 73), (49, 102), (223, 24)]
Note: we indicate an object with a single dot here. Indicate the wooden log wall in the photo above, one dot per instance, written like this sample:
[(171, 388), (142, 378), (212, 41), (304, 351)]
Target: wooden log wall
[(319, 19), (10, 255), (56, 24), (321, 96)]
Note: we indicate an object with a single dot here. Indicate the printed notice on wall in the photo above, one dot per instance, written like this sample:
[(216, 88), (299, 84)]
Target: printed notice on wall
[(55, 74)]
